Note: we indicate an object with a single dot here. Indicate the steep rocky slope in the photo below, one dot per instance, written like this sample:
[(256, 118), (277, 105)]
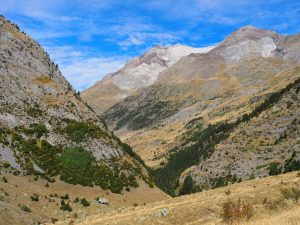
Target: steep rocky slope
[(265, 142), (47, 130), (184, 108), (137, 73)]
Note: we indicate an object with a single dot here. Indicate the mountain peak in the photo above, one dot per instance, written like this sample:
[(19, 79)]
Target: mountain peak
[(138, 73), (251, 33), (248, 40)]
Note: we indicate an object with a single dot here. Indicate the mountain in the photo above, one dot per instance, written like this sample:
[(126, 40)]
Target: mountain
[(177, 123), (48, 133), (137, 73)]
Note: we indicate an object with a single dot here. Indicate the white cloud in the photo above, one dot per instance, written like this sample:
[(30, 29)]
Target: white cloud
[(84, 73), (81, 69)]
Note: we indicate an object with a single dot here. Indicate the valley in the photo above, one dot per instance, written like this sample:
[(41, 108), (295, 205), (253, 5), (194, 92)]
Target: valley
[(191, 120)]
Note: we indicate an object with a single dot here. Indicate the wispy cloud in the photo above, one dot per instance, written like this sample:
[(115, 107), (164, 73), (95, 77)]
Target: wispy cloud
[(81, 69), (84, 73)]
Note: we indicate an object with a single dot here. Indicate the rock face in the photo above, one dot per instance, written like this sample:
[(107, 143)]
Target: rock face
[(262, 145), (138, 73), (41, 115), (34, 90), (177, 122)]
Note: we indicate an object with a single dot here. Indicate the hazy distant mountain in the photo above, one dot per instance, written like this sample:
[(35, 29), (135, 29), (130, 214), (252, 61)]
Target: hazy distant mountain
[(137, 73)]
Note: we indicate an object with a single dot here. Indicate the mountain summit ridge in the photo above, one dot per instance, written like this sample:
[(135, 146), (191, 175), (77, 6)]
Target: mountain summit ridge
[(138, 73)]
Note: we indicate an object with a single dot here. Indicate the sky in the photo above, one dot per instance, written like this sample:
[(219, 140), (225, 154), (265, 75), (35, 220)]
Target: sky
[(91, 38)]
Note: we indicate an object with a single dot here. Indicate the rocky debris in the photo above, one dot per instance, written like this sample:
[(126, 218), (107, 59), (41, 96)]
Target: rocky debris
[(162, 213)]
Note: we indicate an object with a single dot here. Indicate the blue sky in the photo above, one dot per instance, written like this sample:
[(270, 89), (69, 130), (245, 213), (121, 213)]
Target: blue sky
[(90, 38)]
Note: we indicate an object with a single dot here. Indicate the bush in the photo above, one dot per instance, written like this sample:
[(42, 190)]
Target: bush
[(275, 169), (65, 206), (65, 197), (81, 131), (35, 198), (25, 208), (237, 211), (40, 130), (84, 202)]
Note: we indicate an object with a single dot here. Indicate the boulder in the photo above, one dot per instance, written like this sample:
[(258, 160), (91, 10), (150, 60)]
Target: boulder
[(103, 201)]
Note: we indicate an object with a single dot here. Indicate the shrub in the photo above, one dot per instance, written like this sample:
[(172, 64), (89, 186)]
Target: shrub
[(227, 192), (25, 208), (65, 206), (275, 169), (237, 211), (34, 111), (81, 131), (35, 198), (84, 202), (65, 197), (40, 130)]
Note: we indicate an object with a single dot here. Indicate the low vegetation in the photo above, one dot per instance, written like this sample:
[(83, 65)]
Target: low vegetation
[(65, 206), (25, 208), (237, 211), (74, 164), (82, 131)]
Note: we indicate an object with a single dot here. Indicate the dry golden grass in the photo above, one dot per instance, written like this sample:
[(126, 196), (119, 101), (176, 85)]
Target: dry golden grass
[(45, 80), (207, 207), (289, 217), (17, 191)]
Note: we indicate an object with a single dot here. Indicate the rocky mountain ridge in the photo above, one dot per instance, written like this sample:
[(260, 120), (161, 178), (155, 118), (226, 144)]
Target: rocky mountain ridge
[(198, 94), (138, 73)]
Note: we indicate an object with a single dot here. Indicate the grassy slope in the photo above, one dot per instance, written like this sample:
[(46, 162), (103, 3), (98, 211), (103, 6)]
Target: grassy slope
[(206, 207), (18, 190)]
